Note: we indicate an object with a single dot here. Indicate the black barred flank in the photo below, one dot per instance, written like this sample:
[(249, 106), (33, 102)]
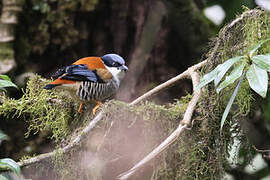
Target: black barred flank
[(96, 91)]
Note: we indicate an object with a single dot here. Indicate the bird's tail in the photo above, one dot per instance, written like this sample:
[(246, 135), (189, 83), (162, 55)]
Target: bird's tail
[(50, 86)]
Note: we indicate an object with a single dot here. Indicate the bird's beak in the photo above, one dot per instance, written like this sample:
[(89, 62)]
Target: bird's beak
[(123, 67)]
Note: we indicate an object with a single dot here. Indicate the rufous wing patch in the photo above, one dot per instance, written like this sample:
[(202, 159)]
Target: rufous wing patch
[(92, 63), (63, 81), (104, 74)]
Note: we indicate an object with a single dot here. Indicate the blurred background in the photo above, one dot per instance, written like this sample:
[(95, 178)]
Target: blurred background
[(158, 40)]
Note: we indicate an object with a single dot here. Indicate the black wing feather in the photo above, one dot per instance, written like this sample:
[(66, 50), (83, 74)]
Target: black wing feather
[(77, 73)]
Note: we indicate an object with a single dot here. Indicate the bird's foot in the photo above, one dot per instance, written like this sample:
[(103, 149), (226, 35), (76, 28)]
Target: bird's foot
[(80, 108), (99, 103)]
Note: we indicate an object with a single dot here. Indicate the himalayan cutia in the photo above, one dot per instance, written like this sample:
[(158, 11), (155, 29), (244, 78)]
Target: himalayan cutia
[(91, 78)]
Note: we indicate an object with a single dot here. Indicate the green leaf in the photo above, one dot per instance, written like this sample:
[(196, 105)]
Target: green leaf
[(257, 46), (235, 74), (10, 164), (5, 83), (263, 61), (229, 105), (3, 177), (225, 67), (257, 79), (4, 77), (207, 78)]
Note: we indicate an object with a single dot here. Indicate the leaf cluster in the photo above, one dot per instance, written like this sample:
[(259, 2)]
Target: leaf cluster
[(7, 164), (253, 67), (5, 82)]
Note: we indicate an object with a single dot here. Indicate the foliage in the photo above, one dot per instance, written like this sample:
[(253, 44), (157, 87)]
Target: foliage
[(43, 110), (7, 163), (5, 82), (256, 74)]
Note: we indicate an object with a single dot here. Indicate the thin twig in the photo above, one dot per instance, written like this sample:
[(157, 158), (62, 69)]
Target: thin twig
[(167, 83), (260, 150), (154, 153)]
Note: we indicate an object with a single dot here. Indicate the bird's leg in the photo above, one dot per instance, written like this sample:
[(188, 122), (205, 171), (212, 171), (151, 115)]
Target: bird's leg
[(99, 103), (80, 108)]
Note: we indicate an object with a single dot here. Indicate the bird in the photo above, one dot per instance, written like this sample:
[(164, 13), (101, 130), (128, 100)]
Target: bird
[(91, 79)]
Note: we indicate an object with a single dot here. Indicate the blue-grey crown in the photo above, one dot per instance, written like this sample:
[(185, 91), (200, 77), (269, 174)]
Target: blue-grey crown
[(113, 60)]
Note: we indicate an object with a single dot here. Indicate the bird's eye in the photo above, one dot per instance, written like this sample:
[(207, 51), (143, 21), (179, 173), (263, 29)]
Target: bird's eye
[(115, 64)]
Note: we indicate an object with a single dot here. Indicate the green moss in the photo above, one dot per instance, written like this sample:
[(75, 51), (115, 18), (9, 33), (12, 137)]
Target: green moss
[(64, 166), (244, 99), (42, 109), (257, 29)]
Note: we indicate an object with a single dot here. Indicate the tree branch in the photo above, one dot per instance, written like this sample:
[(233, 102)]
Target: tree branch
[(189, 73), (68, 147), (167, 84)]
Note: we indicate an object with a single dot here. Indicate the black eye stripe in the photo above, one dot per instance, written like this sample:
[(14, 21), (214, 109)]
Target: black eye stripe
[(112, 63)]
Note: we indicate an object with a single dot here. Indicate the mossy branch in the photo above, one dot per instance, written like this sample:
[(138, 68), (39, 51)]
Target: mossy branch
[(99, 116)]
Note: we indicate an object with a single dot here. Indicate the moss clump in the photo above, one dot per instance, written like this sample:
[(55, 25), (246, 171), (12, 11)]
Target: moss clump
[(256, 29), (42, 109)]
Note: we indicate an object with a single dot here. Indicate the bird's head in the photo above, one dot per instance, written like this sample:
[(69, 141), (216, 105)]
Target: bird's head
[(115, 64)]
